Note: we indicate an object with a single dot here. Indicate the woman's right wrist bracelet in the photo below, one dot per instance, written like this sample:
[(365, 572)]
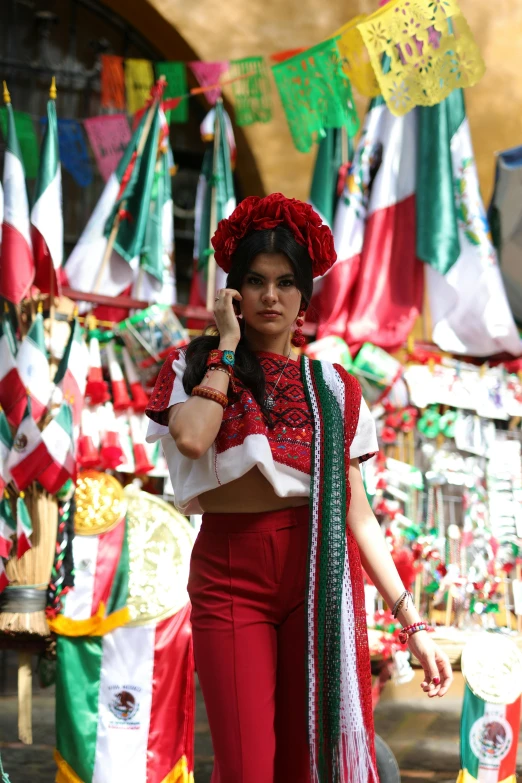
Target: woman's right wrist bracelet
[(208, 393), (409, 630), (405, 596)]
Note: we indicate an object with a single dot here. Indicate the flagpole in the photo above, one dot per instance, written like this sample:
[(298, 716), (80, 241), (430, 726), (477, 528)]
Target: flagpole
[(211, 267), (52, 306), (117, 220)]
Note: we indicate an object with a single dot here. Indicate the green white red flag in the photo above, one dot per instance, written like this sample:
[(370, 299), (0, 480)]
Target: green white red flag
[(24, 527), (225, 205), (59, 441), (7, 526), (488, 740), (12, 390), (33, 367), (6, 444), (29, 455), (156, 281), (82, 268), (130, 713), (71, 375), (469, 309), (16, 255), (374, 291), (47, 213)]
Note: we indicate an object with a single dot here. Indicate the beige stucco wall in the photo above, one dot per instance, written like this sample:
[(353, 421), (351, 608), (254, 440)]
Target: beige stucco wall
[(221, 29)]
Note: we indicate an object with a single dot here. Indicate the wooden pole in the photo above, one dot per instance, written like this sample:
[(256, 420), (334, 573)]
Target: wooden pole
[(25, 698), (117, 219), (211, 268)]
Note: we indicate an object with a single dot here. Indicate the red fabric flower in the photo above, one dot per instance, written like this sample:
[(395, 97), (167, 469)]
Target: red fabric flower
[(257, 214)]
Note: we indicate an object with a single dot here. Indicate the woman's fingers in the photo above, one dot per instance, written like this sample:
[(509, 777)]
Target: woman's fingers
[(437, 675), (446, 673)]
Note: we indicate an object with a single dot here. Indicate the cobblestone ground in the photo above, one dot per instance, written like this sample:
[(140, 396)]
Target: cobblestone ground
[(423, 734)]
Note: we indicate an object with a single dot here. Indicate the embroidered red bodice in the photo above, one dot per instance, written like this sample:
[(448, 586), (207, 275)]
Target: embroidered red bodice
[(290, 436)]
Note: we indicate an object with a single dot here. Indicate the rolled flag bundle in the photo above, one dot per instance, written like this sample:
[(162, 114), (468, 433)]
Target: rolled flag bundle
[(12, 389), (6, 444), (24, 527), (120, 396), (7, 526), (71, 375), (142, 463), (96, 389), (33, 367), (29, 456), (88, 455), (59, 440), (140, 399), (111, 450)]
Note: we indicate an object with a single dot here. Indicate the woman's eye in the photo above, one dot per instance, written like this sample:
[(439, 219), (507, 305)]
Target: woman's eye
[(253, 280), (287, 283)]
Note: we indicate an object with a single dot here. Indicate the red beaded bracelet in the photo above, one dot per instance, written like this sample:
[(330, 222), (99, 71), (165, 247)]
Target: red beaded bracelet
[(409, 630)]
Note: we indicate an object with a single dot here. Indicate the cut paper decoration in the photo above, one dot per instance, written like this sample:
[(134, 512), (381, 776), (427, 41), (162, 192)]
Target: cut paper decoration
[(251, 89), (355, 58), (280, 57), (176, 76), (316, 94), (112, 82), (420, 51), (73, 150), (26, 138), (108, 135), (139, 78), (208, 74)]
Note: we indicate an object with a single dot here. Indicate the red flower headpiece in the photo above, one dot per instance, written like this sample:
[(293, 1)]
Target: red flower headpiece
[(255, 214)]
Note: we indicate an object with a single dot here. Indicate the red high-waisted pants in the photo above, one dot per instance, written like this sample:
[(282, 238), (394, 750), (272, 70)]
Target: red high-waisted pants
[(247, 586)]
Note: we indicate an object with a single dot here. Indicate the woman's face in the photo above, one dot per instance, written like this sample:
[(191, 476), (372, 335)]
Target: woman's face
[(271, 299)]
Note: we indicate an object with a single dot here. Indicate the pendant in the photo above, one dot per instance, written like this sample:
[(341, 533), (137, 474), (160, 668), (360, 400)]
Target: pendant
[(269, 403)]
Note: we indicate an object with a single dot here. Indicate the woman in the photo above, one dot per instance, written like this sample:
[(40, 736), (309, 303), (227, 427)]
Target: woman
[(268, 447)]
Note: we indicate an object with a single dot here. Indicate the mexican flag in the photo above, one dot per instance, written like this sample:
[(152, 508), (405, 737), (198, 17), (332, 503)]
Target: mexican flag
[(374, 291), (33, 367), (97, 602), (469, 309), (12, 390), (125, 705), (24, 527), (7, 527), (156, 281), (47, 214), (82, 268), (6, 444), (16, 255), (29, 455), (59, 441), (71, 375), (216, 168), (488, 740)]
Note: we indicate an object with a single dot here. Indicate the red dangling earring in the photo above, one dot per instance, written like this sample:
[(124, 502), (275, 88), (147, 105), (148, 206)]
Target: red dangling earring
[(298, 339)]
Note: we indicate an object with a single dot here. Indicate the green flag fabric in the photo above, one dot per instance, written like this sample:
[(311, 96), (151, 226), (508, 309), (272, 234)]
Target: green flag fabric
[(136, 196), (27, 138), (437, 219), (323, 193)]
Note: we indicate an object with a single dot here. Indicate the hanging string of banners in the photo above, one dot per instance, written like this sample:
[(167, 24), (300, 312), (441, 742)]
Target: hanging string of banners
[(412, 52)]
